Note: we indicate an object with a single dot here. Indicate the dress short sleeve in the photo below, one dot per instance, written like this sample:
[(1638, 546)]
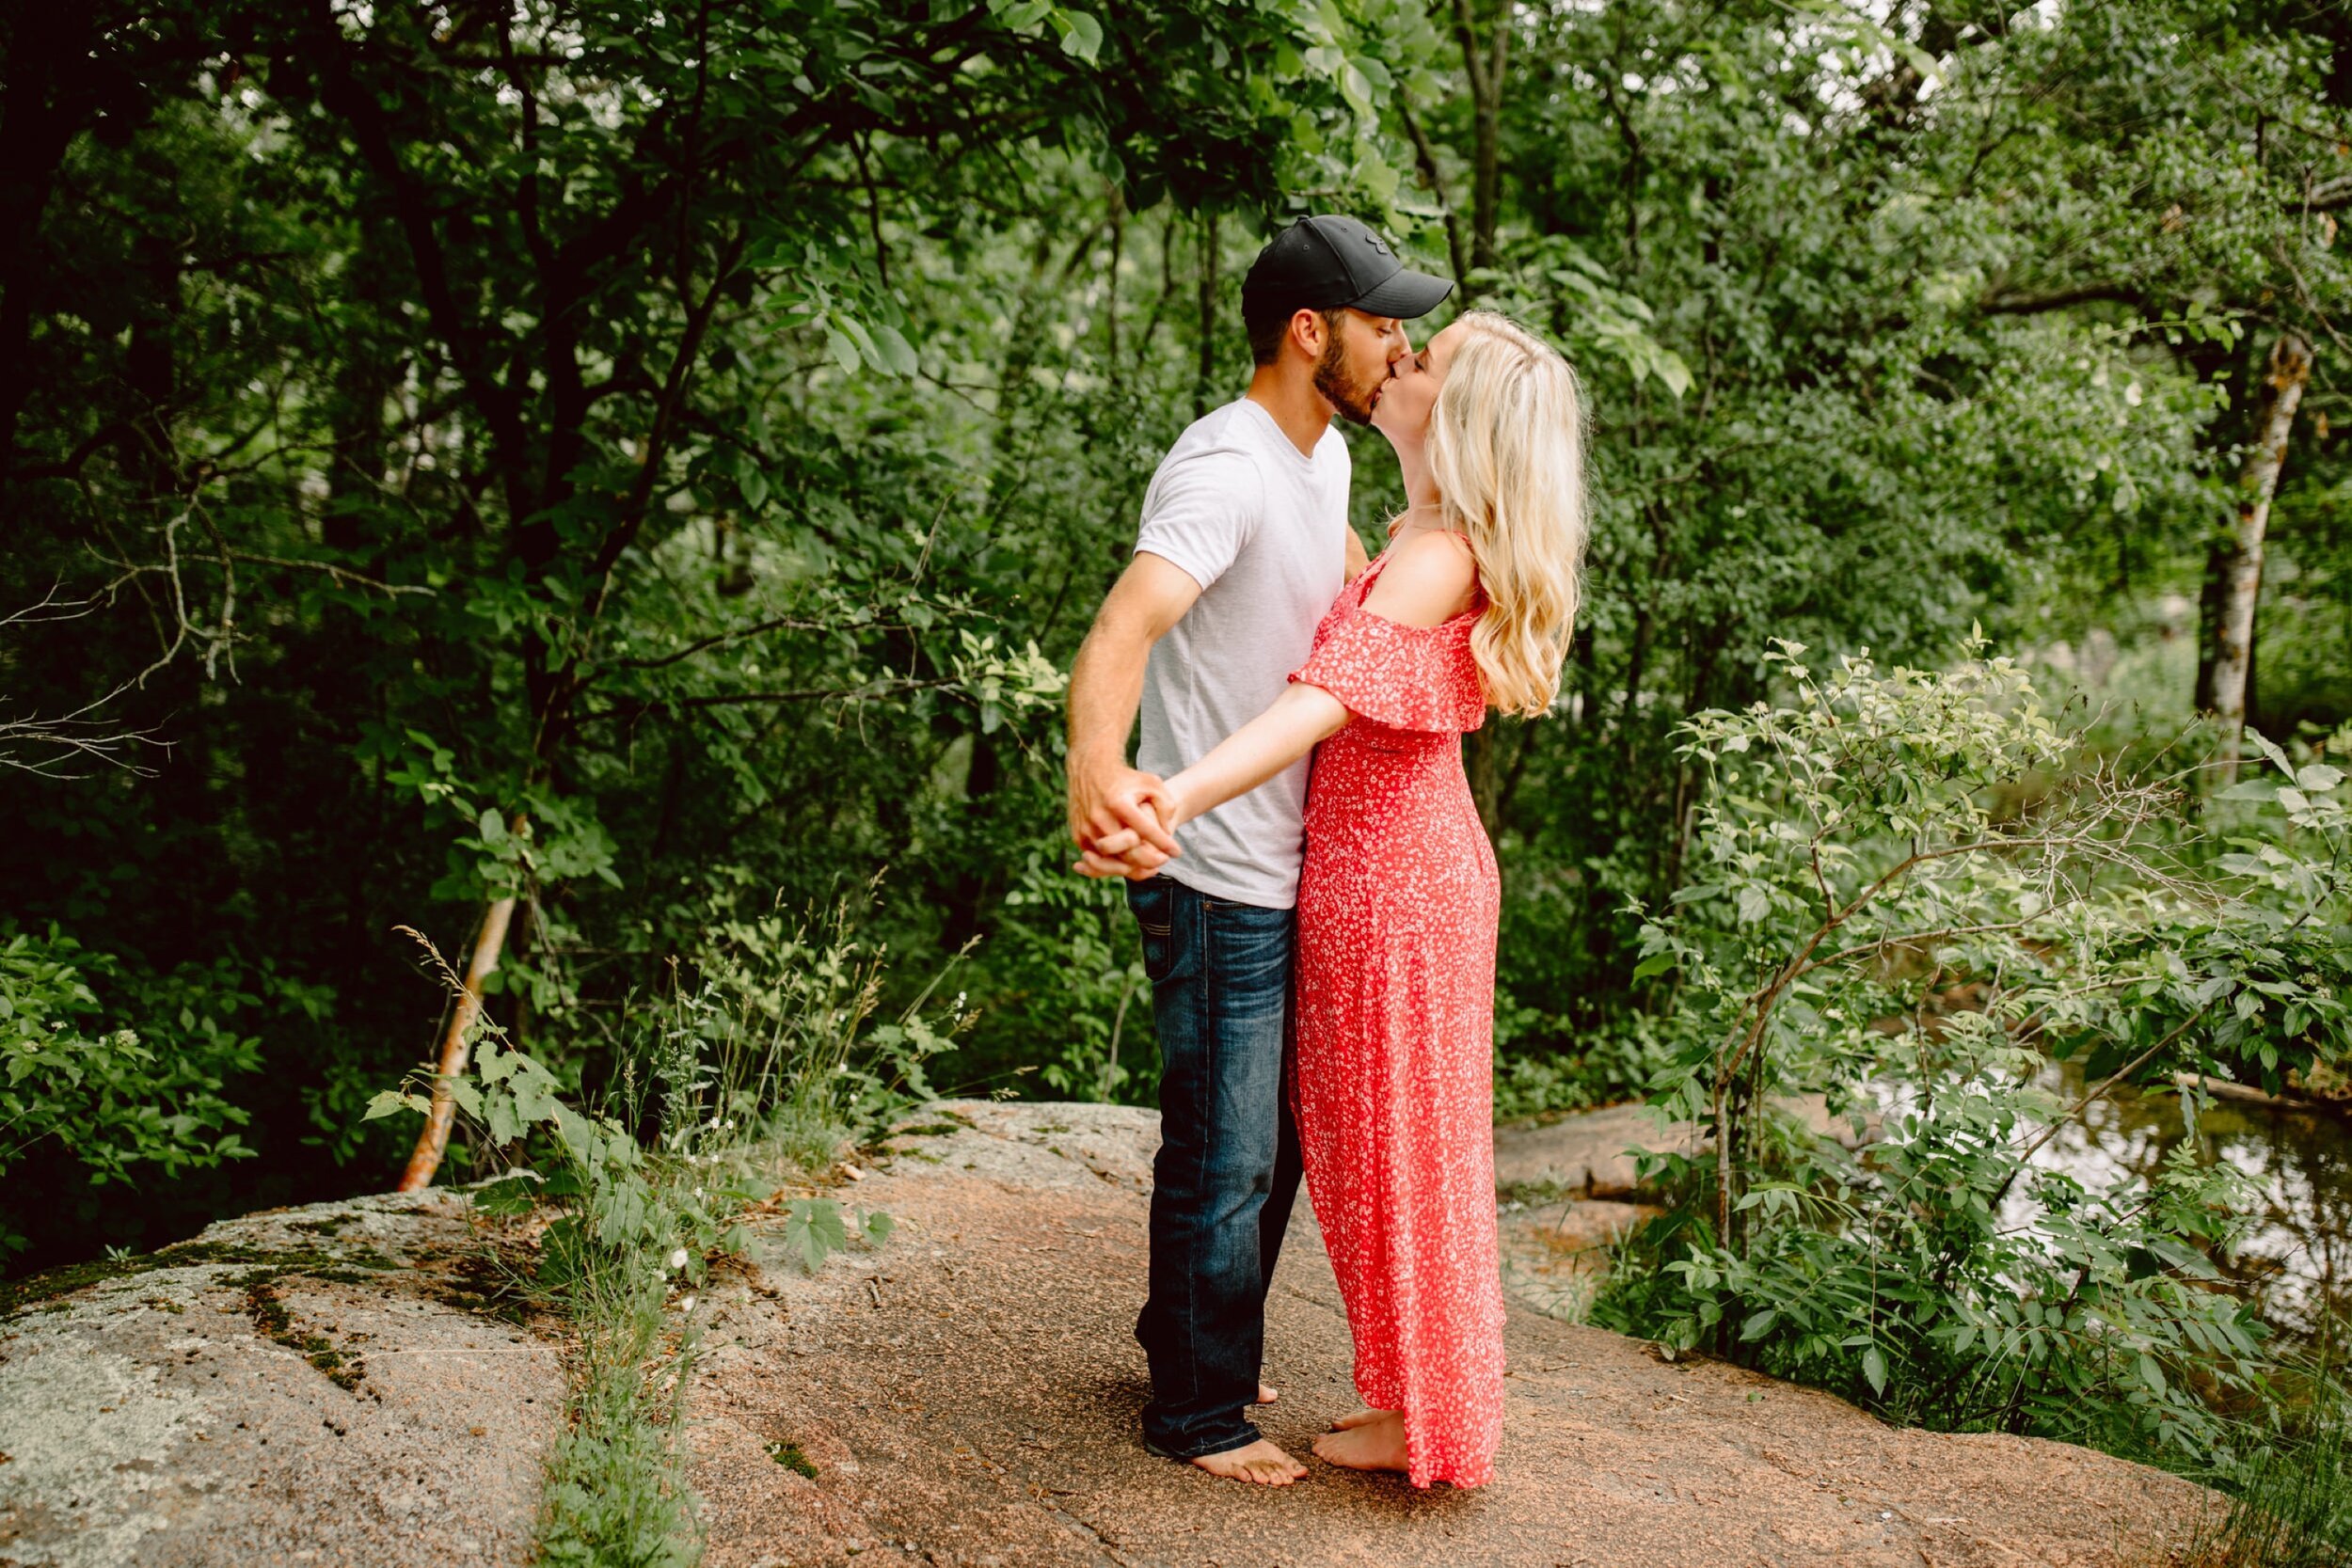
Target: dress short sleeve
[(1406, 677)]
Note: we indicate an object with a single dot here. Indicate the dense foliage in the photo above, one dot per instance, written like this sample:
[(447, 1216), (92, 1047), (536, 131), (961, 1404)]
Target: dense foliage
[(656, 460), (1912, 892)]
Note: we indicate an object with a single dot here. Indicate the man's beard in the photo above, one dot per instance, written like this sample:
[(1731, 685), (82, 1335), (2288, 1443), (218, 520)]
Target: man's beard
[(1355, 406)]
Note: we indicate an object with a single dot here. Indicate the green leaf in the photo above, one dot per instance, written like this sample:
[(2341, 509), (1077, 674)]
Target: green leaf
[(2319, 777), (812, 1228), (844, 348), (1656, 964), (2152, 1374), (1082, 36), (391, 1101), (509, 1196), (1874, 1369), (1673, 371), (877, 1226), (897, 352), (2264, 745)]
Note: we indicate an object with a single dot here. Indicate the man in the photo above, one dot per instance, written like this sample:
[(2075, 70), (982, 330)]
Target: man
[(1244, 545)]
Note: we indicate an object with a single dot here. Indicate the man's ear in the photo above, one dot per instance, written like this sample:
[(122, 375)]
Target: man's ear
[(1306, 331)]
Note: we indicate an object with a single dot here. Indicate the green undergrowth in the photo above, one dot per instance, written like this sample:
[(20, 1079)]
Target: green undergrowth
[(2289, 1489), (1909, 892), (763, 1065)]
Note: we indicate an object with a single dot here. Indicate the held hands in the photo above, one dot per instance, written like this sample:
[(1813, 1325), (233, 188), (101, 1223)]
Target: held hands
[(1124, 824)]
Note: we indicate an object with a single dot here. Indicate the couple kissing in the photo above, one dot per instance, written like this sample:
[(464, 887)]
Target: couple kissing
[(1318, 898)]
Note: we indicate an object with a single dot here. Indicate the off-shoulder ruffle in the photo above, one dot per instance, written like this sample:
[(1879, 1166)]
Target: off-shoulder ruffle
[(1406, 677)]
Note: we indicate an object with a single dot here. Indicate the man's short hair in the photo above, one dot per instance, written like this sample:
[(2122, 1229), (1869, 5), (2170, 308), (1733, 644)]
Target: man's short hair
[(1268, 327)]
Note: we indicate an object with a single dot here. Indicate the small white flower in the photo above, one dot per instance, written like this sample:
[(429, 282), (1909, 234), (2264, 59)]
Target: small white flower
[(714, 1124), (677, 1259), (698, 1192), (687, 1304), (730, 1126)]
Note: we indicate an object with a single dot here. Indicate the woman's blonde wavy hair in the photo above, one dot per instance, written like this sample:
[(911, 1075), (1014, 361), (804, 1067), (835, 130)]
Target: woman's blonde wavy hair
[(1507, 448)]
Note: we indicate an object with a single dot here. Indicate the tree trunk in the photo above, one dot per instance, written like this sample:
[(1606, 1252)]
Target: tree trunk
[(2235, 574), (1484, 67), (433, 1140), (1208, 314), (1110, 289), (1426, 158), (52, 67)]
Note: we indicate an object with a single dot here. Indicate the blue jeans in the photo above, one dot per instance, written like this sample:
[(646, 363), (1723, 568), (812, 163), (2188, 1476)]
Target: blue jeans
[(1228, 1166)]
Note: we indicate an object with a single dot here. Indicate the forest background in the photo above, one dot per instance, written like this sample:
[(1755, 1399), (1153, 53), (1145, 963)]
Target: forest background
[(624, 477)]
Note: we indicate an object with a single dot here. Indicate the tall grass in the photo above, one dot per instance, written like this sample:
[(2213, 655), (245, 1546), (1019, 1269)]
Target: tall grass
[(2290, 1498), (615, 1494), (757, 1068)]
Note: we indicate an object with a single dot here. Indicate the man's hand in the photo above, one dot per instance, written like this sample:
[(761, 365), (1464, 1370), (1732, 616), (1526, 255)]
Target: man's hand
[(1105, 683), (1118, 804)]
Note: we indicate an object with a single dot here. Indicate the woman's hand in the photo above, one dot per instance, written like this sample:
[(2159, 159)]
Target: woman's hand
[(1126, 852), (1284, 733)]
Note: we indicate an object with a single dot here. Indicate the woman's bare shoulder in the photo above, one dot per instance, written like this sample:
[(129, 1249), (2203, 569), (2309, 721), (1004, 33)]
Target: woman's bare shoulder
[(1429, 579)]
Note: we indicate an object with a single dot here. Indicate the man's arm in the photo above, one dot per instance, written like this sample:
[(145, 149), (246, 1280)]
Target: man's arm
[(1430, 578), (1357, 559), (1105, 688)]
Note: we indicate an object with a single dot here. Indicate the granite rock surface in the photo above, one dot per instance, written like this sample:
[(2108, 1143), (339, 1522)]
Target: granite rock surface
[(328, 1386), (968, 1394)]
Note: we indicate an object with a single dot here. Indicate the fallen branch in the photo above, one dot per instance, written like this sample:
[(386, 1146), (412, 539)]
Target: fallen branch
[(425, 1158)]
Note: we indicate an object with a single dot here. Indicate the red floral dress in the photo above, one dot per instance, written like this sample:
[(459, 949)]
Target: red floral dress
[(1394, 1095)]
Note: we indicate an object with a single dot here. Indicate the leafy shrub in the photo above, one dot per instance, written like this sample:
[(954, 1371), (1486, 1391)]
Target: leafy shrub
[(118, 1073), (1910, 886), (1613, 1063), (1070, 973), (764, 1057)]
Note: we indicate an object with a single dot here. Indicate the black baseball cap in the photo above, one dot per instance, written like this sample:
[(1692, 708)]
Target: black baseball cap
[(1328, 263)]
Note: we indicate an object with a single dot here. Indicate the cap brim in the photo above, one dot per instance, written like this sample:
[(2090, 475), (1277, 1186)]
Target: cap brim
[(1406, 295)]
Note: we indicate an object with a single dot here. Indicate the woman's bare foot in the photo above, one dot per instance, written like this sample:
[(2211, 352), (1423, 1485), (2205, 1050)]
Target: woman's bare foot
[(1355, 1418), (1374, 1445), (1259, 1461), (1267, 1394)]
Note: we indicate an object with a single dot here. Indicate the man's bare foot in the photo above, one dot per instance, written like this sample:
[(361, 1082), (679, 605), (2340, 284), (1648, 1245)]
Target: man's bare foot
[(1259, 1461), (1374, 1445), (1355, 1418), (1267, 1394)]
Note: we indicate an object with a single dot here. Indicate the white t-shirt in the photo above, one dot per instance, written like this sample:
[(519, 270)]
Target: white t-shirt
[(1263, 529)]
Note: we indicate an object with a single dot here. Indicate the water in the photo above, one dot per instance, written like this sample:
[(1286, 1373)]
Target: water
[(2297, 1263)]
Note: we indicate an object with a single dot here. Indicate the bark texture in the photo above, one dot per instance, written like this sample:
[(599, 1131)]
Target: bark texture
[(2234, 570), (1483, 65), (434, 1140)]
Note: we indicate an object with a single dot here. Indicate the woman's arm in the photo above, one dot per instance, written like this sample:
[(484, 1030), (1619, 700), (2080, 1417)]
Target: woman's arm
[(1286, 731), (1429, 578)]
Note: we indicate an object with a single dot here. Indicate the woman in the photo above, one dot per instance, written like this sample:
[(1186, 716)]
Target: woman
[(1469, 607)]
